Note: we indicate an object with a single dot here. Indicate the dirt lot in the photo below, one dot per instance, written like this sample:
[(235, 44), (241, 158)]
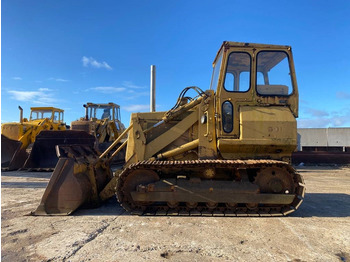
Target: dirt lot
[(318, 231)]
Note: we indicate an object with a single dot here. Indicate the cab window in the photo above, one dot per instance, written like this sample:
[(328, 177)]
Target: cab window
[(273, 74), (216, 72), (56, 117), (237, 77), (40, 114)]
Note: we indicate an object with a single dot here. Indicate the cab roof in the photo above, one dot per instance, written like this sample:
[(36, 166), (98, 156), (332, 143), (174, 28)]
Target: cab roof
[(110, 104), (241, 44), (47, 108), (228, 44)]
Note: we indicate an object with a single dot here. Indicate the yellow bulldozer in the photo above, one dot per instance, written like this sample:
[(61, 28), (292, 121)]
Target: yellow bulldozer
[(16, 138), (225, 151)]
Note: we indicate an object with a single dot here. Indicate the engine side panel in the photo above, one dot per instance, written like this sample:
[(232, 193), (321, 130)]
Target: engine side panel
[(266, 132)]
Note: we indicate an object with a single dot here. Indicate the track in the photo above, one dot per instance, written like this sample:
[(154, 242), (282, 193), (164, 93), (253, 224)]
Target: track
[(205, 209)]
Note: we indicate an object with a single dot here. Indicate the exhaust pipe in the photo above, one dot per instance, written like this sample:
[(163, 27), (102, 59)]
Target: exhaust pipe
[(20, 114), (153, 89), (86, 112)]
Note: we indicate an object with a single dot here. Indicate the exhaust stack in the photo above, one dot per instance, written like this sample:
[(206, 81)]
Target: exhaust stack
[(20, 114), (153, 89), (86, 112)]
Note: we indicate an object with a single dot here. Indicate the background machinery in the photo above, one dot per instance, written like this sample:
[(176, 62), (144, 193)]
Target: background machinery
[(16, 138), (103, 121), (225, 151), (98, 128)]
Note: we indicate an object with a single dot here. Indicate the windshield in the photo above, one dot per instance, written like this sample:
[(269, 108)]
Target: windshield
[(101, 112), (40, 114), (216, 72)]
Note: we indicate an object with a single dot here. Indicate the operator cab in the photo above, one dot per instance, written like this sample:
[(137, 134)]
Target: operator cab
[(52, 113), (252, 74), (108, 111), (256, 98)]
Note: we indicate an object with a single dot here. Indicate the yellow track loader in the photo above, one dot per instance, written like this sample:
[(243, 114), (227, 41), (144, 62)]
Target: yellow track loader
[(16, 138), (226, 151), (103, 121)]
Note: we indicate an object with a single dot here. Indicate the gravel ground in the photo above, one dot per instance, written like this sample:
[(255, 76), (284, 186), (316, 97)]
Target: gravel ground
[(318, 231)]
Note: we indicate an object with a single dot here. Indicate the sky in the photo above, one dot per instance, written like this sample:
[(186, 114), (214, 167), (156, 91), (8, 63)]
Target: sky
[(67, 53)]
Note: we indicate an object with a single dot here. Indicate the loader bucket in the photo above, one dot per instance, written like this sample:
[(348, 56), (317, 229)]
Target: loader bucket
[(43, 153), (74, 182), (12, 156)]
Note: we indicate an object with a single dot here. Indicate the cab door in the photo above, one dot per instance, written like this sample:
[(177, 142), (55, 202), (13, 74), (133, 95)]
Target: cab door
[(234, 90)]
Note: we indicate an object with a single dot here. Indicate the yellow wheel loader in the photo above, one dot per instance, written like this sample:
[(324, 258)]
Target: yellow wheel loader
[(16, 138), (226, 151)]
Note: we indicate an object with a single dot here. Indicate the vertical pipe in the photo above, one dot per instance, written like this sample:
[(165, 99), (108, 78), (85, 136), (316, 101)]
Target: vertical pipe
[(86, 112), (20, 114), (153, 89)]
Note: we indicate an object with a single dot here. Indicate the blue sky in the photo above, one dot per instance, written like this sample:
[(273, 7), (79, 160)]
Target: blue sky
[(67, 53)]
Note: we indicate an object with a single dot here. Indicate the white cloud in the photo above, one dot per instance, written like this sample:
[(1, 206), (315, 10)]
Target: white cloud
[(108, 89), (90, 61), (131, 85), (316, 112), (136, 108), (42, 96), (333, 119), (58, 79), (135, 95), (17, 78), (130, 90), (44, 89)]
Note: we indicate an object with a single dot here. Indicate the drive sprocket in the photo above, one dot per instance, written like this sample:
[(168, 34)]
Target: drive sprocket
[(275, 180)]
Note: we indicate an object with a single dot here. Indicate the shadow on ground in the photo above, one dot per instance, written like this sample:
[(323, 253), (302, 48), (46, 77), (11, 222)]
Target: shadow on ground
[(314, 205), (27, 174), (324, 205), (110, 208)]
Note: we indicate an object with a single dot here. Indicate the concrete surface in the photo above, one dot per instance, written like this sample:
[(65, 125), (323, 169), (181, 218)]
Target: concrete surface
[(318, 231)]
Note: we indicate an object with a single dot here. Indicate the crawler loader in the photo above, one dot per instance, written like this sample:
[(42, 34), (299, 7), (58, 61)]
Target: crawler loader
[(16, 138), (103, 121), (226, 151)]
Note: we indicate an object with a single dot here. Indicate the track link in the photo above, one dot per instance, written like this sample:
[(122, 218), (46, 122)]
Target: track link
[(221, 209)]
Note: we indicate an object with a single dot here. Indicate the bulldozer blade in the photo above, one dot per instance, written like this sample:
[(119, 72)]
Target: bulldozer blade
[(12, 156), (43, 153), (74, 182)]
